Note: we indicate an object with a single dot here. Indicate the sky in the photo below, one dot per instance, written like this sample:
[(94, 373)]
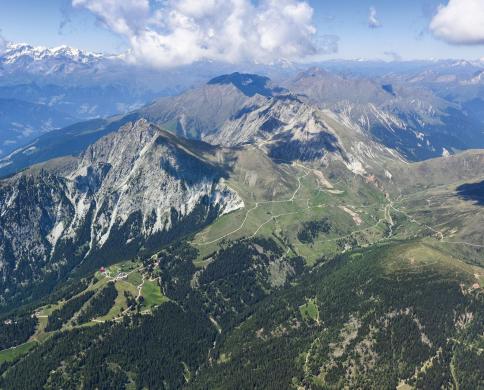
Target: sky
[(176, 32)]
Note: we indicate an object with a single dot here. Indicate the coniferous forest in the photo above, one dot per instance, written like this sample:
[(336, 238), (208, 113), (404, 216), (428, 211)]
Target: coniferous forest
[(349, 322)]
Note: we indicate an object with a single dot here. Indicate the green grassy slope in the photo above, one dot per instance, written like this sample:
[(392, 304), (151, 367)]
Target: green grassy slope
[(280, 198)]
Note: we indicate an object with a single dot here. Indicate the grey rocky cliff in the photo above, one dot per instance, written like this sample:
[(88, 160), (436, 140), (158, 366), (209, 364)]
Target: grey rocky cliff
[(130, 188)]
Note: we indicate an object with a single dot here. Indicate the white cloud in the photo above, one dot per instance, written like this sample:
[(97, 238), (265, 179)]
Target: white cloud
[(176, 32), (393, 55), (373, 21), (460, 22)]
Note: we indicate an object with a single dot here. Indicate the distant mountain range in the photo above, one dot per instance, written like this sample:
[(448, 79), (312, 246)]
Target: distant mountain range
[(317, 230), (22, 55), (20, 121), (411, 119), (68, 85)]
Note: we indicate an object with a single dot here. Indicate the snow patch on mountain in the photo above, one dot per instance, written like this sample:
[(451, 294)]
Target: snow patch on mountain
[(16, 51)]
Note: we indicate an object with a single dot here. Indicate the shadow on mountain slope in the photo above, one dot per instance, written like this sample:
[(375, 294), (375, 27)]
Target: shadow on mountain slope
[(248, 84), (285, 148), (472, 192)]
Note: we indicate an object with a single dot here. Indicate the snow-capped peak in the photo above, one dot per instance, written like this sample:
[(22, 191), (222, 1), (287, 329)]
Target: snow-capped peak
[(461, 63), (14, 51)]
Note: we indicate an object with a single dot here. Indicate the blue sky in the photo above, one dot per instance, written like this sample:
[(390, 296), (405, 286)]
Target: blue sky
[(54, 23), (402, 32), (404, 29)]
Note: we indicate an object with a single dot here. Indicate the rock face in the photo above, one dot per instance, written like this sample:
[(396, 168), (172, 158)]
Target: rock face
[(237, 109), (407, 117), (137, 187), (289, 130), (201, 112)]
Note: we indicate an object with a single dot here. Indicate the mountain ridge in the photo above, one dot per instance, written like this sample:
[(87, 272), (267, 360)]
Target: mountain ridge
[(293, 232), (417, 127), (136, 183)]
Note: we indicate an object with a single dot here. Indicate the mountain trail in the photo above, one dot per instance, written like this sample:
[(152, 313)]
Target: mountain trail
[(291, 199)]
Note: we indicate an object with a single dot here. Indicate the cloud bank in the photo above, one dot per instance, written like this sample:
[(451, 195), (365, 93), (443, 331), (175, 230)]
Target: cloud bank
[(177, 32), (373, 21), (460, 22)]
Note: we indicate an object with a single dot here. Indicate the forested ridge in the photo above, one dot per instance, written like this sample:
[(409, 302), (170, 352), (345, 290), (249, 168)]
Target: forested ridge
[(16, 330), (227, 325), (372, 330), (65, 313), (100, 304)]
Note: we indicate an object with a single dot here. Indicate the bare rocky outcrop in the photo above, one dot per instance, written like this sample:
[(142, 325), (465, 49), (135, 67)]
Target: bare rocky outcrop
[(132, 188)]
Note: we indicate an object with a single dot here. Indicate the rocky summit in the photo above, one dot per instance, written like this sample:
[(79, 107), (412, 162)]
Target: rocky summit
[(129, 186)]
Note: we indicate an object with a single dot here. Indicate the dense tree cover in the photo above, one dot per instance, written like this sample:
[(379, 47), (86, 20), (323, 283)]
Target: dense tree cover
[(16, 330), (239, 277), (176, 271), (468, 357), (310, 230), (437, 373), (151, 351), (60, 316), (100, 304), (374, 327), (159, 351), (235, 279), (68, 289), (469, 369), (45, 361)]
